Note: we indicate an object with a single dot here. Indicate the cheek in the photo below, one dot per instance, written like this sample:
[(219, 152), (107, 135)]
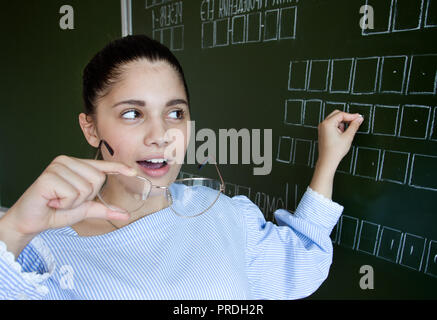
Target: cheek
[(123, 147)]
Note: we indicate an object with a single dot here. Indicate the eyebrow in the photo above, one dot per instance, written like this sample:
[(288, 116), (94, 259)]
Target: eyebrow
[(143, 103)]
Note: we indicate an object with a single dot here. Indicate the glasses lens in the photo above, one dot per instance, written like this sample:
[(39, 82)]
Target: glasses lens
[(125, 193), (194, 195)]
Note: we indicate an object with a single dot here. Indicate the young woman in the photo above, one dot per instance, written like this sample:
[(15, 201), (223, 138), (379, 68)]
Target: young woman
[(58, 241)]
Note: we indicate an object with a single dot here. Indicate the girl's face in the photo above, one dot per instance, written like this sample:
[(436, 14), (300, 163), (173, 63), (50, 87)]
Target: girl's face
[(138, 119)]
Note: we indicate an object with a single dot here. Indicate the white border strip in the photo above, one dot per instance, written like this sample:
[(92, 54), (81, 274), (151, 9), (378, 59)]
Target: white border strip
[(126, 17)]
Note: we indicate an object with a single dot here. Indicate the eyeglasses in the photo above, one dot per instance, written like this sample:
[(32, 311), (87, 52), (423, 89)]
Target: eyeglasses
[(186, 197)]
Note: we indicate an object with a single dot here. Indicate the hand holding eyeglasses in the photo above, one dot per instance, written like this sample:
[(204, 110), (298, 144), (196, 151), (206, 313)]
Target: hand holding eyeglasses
[(63, 195)]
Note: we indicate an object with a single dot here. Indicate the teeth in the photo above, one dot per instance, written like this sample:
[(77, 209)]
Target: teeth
[(157, 160)]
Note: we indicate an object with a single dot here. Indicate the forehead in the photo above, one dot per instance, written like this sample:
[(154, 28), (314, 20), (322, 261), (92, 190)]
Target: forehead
[(150, 81)]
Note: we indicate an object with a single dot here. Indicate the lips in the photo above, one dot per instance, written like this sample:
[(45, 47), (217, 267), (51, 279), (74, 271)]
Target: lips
[(154, 165)]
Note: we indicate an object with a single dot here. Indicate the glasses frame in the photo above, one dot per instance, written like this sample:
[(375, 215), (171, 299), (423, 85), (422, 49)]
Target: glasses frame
[(168, 193)]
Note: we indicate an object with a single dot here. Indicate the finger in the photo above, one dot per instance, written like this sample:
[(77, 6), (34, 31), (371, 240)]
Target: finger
[(353, 127), (85, 187), (60, 193), (332, 113), (85, 165), (88, 209), (343, 117)]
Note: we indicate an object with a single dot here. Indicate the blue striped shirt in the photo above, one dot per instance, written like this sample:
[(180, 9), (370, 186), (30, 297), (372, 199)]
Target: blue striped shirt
[(229, 252)]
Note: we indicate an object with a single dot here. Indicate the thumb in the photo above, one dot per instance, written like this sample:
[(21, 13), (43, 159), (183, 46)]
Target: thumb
[(88, 209), (353, 127)]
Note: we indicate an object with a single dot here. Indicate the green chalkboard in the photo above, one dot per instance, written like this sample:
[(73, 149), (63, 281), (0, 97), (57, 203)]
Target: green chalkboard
[(285, 65), (41, 84)]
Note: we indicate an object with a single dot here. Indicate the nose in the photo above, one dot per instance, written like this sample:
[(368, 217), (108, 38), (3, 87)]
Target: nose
[(156, 134)]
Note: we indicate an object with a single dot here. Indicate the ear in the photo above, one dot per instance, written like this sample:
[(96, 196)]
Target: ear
[(87, 124)]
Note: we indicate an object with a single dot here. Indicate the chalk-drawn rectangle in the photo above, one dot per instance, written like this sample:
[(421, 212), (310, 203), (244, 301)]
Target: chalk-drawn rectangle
[(238, 29), (230, 189), (348, 231), (287, 25), (318, 75), (315, 154), (271, 25), (383, 20), (330, 106), (389, 244), (414, 121), (394, 166), (345, 165), (366, 111), (177, 42), (423, 172), (221, 32), (341, 75), (334, 233), (365, 75), (431, 14), (284, 149), (422, 77), (243, 190), (431, 259), (393, 72), (298, 75), (312, 113), (208, 34), (385, 120), (157, 35), (407, 15), (253, 32), (167, 34), (293, 111), (368, 237), (302, 152), (433, 132), (412, 252), (366, 164)]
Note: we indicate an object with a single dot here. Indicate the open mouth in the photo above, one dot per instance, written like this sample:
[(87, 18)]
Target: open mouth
[(153, 163)]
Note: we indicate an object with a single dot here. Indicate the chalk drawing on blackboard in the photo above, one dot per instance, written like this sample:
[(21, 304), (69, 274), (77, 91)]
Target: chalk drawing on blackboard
[(385, 120), (312, 113), (368, 237), (348, 231), (407, 15), (221, 32), (364, 109), (271, 25), (297, 79), (422, 75), (346, 164), (318, 75), (334, 233), (365, 75), (414, 121), (383, 22), (207, 34), (238, 29), (423, 172), (285, 146), (253, 32), (394, 166), (431, 259), (413, 251), (330, 106), (293, 111), (287, 27), (302, 152), (341, 75), (367, 163), (433, 127), (392, 74), (315, 154), (431, 14), (389, 244), (243, 190), (230, 189)]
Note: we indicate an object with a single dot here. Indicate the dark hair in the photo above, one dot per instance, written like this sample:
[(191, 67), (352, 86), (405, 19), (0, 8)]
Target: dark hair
[(105, 68)]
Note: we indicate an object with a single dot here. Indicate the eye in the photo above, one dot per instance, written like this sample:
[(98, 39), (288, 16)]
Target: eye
[(177, 114), (130, 114)]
